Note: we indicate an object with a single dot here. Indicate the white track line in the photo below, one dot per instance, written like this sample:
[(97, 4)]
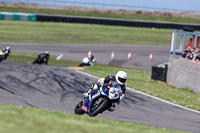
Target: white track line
[(145, 94)]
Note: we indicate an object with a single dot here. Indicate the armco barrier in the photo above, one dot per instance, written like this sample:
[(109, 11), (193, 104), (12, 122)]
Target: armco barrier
[(17, 16), (184, 73), (115, 22)]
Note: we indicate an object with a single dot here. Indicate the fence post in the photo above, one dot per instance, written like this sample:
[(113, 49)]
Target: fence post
[(35, 3), (93, 7), (113, 8), (63, 4), (54, 3)]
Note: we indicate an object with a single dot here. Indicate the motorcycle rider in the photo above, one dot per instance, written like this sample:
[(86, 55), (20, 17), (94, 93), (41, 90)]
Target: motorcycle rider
[(45, 57), (120, 78), (6, 52), (88, 61)]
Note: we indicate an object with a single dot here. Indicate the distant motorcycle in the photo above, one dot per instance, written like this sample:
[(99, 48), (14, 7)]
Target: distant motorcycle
[(40, 60), (99, 100), (3, 55)]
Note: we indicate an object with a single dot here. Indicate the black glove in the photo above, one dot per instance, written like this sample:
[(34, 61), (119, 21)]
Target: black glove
[(92, 86)]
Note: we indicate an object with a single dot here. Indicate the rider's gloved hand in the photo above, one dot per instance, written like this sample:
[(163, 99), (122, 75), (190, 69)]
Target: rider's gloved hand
[(101, 82), (94, 87)]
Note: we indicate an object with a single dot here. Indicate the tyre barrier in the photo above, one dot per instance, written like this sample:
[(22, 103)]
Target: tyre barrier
[(92, 20), (116, 22), (17, 16), (159, 73)]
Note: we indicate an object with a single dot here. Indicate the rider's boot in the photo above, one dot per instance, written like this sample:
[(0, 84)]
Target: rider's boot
[(112, 107)]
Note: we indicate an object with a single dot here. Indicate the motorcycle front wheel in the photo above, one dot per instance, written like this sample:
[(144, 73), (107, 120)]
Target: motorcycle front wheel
[(78, 109), (99, 106)]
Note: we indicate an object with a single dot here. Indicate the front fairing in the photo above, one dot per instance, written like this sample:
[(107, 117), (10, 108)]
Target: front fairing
[(95, 94)]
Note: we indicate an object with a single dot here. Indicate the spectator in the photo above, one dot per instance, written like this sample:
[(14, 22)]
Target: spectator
[(190, 54), (196, 57), (186, 51), (189, 43)]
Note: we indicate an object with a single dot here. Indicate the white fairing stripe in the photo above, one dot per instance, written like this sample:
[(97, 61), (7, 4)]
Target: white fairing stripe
[(102, 91), (90, 97)]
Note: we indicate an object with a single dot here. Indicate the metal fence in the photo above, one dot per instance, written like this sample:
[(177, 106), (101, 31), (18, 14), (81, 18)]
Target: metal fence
[(63, 3)]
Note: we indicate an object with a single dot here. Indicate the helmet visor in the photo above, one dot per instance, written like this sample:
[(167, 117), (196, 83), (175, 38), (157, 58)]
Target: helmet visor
[(122, 80)]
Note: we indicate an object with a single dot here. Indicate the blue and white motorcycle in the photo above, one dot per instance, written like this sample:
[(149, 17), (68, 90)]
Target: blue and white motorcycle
[(99, 100)]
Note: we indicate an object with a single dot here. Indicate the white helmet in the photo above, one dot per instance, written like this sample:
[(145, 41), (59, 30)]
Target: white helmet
[(121, 77), (7, 47), (46, 52)]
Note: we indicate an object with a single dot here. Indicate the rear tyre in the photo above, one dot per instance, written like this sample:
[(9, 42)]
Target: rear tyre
[(35, 61), (101, 107), (78, 109)]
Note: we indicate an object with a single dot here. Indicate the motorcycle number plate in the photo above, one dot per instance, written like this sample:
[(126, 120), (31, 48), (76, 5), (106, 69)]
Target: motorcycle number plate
[(84, 108)]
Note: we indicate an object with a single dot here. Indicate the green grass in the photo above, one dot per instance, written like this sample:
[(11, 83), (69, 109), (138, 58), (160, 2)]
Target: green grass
[(101, 14), (29, 58), (32, 120), (66, 33)]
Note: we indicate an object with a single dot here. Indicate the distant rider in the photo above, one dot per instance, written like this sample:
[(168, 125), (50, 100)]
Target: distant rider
[(120, 78), (6, 52), (88, 61), (45, 56)]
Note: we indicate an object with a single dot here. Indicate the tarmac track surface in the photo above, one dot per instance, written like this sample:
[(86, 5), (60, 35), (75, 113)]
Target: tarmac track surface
[(139, 54), (60, 89)]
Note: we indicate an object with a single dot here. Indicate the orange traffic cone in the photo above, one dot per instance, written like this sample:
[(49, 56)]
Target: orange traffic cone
[(112, 56), (129, 56), (150, 57), (89, 54)]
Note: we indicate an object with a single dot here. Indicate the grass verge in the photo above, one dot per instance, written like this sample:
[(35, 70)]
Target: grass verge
[(32, 120), (67, 33)]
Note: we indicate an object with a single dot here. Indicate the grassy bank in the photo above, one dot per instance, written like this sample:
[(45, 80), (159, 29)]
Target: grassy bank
[(66, 33), (137, 79), (32, 120), (108, 14)]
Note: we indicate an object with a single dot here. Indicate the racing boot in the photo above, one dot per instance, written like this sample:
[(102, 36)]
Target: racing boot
[(112, 107)]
